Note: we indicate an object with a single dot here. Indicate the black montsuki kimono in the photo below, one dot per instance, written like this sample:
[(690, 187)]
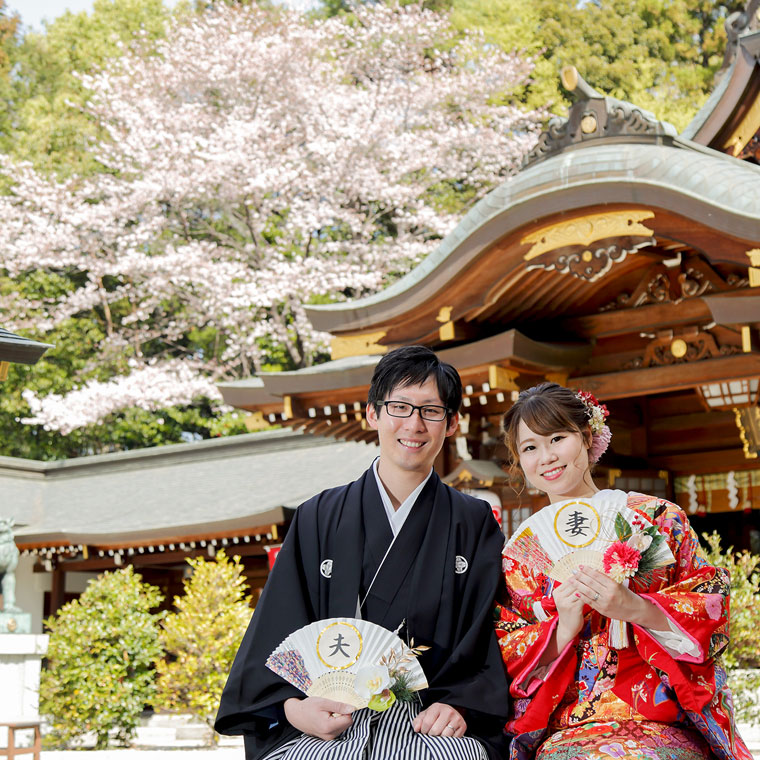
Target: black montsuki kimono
[(440, 576)]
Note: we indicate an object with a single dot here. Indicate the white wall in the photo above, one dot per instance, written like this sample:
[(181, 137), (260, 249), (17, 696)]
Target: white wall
[(76, 583), (31, 588)]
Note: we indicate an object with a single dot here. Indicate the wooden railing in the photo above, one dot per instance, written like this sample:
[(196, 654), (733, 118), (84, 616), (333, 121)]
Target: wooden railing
[(11, 751)]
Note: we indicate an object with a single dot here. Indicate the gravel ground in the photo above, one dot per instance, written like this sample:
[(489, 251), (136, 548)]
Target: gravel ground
[(751, 735)]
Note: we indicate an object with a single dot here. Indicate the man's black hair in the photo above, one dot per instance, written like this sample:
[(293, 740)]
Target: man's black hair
[(413, 365)]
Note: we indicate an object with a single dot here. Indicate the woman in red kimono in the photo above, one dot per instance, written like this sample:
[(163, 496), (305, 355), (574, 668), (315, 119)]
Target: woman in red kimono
[(582, 689)]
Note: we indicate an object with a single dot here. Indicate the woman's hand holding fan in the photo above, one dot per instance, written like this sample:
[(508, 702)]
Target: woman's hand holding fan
[(602, 535)]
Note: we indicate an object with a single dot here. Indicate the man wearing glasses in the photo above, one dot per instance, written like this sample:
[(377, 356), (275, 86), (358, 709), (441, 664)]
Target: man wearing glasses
[(399, 548)]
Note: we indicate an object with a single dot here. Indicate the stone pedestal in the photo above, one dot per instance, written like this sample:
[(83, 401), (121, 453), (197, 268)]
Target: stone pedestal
[(20, 660)]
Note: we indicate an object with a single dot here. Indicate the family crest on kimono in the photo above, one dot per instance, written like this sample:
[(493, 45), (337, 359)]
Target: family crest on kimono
[(400, 549), (619, 661)]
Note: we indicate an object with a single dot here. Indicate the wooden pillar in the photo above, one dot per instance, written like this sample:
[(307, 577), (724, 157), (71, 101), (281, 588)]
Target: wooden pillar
[(58, 589), (447, 457)]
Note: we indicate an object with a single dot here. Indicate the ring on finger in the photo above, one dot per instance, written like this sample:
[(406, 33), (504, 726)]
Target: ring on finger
[(596, 596), (451, 727)]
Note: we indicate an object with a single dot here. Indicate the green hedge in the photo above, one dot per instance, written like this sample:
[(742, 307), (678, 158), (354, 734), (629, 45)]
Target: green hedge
[(101, 661), (742, 656)]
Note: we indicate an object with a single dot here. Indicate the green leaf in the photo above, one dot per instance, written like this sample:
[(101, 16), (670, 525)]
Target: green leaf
[(622, 528), (202, 636)]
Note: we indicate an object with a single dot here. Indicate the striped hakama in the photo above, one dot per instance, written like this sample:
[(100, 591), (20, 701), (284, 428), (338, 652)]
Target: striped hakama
[(381, 736)]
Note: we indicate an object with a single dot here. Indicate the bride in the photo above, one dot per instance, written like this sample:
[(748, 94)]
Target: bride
[(616, 662)]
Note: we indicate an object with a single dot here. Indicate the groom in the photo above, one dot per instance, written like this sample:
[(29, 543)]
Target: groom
[(401, 549)]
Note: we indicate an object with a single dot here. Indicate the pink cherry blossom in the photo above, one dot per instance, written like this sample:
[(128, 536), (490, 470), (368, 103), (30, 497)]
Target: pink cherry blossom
[(151, 387), (256, 161)]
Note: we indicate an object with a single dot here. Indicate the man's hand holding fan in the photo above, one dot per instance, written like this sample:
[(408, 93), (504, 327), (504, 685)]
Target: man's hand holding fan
[(350, 661)]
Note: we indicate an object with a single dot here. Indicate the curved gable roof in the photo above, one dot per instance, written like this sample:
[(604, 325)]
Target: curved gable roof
[(702, 186), (14, 348), (723, 121)]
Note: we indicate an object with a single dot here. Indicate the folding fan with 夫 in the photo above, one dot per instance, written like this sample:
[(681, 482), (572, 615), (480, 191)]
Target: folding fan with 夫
[(564, 535), (322, 659)]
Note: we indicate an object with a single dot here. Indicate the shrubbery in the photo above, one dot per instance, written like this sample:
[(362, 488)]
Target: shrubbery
[(110, 656), (742, 656), (101, 661), (202, 637)]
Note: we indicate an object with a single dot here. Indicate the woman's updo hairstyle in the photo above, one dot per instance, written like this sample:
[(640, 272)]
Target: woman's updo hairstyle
[(546, 408)]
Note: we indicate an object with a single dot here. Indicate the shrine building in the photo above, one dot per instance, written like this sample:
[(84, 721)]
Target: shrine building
[(155, 508), (622, 259)]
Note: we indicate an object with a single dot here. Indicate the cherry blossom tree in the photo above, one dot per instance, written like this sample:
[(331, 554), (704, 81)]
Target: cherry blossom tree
[(256, 161)]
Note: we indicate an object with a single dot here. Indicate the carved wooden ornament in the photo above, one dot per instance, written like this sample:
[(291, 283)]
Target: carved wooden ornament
[(357, 345), (585, 230), (568, 247)]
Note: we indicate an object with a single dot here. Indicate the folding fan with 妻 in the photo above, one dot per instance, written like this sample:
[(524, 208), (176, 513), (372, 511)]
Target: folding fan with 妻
[(566, 534), (322, 658)]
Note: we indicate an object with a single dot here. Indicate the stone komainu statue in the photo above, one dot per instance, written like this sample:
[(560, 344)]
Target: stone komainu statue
[(8, 562)]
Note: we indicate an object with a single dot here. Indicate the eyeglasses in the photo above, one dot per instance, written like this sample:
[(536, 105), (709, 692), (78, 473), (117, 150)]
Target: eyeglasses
[(429, 412)]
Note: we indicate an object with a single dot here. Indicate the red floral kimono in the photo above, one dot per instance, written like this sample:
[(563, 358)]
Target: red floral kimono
[(646, 695)]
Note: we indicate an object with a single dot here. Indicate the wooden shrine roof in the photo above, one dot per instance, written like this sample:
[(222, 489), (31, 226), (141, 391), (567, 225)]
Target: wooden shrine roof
[(329, 399), (676, 198), (730, 119), (476, 473), (622, 259), (15, 348)]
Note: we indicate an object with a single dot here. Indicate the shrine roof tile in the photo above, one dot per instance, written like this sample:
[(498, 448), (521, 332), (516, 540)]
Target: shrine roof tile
[(223, 484), (15, 348), (727, 92)]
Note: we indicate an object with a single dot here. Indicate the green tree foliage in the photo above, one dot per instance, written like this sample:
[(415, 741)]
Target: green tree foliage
[(742, 656), (74, 359), (49, 127), (660, 54), (8, 44), (202, 636), (100, 662), (8, 31)]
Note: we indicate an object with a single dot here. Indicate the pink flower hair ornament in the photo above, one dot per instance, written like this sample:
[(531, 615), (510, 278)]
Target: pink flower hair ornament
[(601, 435), (599, 444)]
